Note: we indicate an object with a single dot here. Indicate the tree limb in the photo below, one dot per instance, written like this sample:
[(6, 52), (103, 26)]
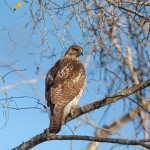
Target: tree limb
[(90, 107), (43, 137), (108, 100)]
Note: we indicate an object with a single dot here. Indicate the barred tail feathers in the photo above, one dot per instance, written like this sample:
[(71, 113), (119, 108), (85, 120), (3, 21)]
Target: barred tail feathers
[(56, 121)]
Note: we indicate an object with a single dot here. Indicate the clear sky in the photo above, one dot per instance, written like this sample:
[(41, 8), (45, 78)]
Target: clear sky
[(19, 50)]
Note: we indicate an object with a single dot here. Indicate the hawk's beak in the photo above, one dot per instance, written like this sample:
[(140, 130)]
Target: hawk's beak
[(82, 53)]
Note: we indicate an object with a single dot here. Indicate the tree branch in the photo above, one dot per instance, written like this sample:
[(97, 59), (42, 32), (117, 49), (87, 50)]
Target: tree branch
[(90, 107), (108, 100), (106, 131), (43, 137), (128, 10)]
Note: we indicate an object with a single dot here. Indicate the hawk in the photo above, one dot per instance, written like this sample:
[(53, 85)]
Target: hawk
[(65, 83)]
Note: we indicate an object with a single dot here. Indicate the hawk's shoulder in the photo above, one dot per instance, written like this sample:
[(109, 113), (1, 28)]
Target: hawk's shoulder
[(52, 72)]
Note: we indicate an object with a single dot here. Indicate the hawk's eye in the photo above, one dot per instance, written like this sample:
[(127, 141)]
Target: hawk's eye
[(75, 49)]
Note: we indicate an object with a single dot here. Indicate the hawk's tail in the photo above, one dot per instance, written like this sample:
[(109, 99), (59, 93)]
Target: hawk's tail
[(56, 123)]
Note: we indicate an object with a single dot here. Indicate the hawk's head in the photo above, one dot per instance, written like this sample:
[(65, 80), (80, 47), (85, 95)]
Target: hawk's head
[(74, 51)]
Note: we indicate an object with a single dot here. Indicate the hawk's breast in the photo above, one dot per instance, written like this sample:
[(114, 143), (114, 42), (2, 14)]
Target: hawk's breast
[(74, 102)]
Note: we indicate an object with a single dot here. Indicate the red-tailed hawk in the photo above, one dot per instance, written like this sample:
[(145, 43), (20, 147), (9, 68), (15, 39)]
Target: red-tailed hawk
[(65, 83)]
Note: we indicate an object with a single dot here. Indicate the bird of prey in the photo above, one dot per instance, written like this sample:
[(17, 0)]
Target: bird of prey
[(64, 85)]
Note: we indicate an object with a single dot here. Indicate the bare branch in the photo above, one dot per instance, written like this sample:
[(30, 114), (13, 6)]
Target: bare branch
[(127, 10), (108, 100), (44, 137), (24, 81), (80, 111), (108, 130)]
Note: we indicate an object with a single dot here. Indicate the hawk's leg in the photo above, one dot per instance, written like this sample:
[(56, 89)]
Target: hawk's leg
[(46, 131), (72, 111)]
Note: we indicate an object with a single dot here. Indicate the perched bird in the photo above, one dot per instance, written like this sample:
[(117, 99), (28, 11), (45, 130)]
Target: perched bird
[(65, 83)]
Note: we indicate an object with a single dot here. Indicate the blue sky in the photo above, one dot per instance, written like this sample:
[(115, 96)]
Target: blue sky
[(26, 55)]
